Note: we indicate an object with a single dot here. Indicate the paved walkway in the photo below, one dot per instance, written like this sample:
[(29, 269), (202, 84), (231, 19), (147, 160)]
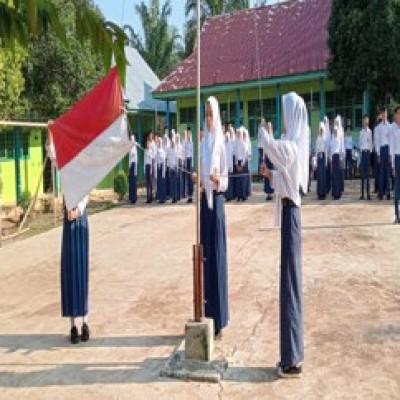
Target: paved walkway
[(141, 296)]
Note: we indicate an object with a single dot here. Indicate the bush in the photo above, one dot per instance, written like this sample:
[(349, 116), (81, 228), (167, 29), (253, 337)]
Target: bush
[(121, 184), (25, 200)]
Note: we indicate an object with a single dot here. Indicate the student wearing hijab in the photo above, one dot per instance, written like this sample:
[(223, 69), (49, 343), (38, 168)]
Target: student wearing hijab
[(382, 145), (366, 149), (328, 136), (395, 158), (214, 182), (322, 160), (74, 261), (188, 152), (262, 128), (172, 162), (247, 141), (179, 152), (348, 143), (268, 189), (336, 156), (167, 145), (290, 158), (240, 155), (338, 125), (148, 168), (133, 172), (229, 195), (161, 172)]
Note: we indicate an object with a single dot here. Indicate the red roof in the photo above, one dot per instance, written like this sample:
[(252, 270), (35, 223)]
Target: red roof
[(289, 38)]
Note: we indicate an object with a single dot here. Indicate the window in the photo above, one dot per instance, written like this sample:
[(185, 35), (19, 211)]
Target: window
[(228, 112), (187, 115), (7, 144)]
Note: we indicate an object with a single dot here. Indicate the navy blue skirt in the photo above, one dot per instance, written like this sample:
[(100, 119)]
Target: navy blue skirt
[(132, 184), (321, 175), (213, 239), (241, 190), (75, 267), (161, 185), (267, 185), (328, 177), (179, 180), (336, 177), (173, 184), (190, 187), (291, 288)]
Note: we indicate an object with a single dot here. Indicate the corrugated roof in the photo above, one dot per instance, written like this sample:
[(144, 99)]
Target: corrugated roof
[(277, 40), (140, 83)]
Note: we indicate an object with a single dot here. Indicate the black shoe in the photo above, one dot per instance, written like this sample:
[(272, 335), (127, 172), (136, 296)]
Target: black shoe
[(190, 200), (362, 198), (218, 334), (369, 197), (380, 197), (388, 197), (173, 201), (289, 371), (85, 332), (74, 337)]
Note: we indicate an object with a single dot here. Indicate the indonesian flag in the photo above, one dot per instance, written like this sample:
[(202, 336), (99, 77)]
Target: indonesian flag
[(91, 138)]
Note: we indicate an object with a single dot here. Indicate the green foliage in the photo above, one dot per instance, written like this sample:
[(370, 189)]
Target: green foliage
[(23, 19), (160, 45), (363, 41), (11, 82), (25, 200), (121, 185)]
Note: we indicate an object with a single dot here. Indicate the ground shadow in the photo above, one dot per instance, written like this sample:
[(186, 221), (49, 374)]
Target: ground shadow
[(250, 374)]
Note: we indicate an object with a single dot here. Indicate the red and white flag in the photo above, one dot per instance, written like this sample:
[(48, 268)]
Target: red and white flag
[(91, 138)]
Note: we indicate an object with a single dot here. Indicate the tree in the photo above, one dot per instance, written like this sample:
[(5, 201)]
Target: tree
[(209, 8), (23, 19), (363, 42), (56, 76), (160, 46)]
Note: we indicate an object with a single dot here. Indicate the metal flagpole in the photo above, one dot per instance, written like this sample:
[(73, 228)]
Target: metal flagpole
[(198, 248), (1, 218)]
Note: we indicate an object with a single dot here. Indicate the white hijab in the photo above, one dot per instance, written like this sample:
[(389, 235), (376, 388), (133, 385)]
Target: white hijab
[(211, 150), (297, 129)]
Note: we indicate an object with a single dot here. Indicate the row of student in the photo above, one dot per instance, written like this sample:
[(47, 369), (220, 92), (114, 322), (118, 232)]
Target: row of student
[(168, 164)]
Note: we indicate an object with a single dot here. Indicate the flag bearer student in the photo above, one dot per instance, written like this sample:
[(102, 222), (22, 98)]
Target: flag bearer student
[(348, 144), (214, 182), (240, 155), (268, 189), (172, 162), (365, 146), (322, 162), (382, 132), (133, 171), (395, 156), (336, 153), (179, 152), (188, 156), (290, 158), (230, 194), (74, 263), (161, 172), (148, 168)]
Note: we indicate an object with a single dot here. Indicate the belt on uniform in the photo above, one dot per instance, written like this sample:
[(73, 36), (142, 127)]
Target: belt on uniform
[(286, 202)]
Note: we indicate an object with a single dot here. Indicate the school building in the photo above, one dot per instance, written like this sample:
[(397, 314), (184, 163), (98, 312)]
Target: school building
[(22, 150), (250, 58)]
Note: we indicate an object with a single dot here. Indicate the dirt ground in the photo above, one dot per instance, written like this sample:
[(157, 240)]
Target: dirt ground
[(141, 297)]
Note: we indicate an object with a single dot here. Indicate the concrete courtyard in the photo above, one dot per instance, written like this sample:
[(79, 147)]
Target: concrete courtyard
[(141, 297)]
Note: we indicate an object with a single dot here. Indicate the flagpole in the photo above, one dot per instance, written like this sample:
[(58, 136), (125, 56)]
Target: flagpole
[(198, 291)]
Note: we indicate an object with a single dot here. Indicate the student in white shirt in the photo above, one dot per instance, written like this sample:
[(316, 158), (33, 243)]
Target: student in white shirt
[(172, 162), (188, 154), (290, 158), (328, 135), (395, 156), (336, 154), (229, 195), (161, 172), (382, 139), (348, 144), (322, 162), (179, 152), (148, 168), (240, 158), (366, 150), (133, 163)]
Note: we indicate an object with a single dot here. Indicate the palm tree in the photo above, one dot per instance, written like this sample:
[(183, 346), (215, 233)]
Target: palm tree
[(160, 45), (210, 8), (20, 20)]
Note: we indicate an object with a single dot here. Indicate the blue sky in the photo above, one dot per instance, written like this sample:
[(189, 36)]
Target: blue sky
[(123, 11)]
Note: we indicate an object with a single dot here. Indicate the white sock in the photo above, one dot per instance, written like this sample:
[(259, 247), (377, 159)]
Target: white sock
[(72, 319), (85, 319)]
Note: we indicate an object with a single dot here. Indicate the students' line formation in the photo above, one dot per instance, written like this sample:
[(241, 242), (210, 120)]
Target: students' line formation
[(380, 149)]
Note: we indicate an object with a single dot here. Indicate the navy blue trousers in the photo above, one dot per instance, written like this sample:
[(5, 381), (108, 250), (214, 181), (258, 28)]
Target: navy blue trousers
[(241, 183), (328, 177), (349, 164), (321, 175), (213, 239), (365, 164), (267, 185), (189, 189), (149, 183), (132, 184), (75, 266), (291, 288), (179, 180), (397, 184), (336, 177), (161, 185), (173, 184), (384, 171)]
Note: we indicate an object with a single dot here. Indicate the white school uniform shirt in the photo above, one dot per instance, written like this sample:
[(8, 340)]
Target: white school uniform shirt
[(348, 142), (365, 142), (133, 157), (240, 151), (229, 154), (188, 149), (382, 135), (261, 130), (172, 158), (161, 159), (336, 147), (148, 158), (82, 205), (394, 141), (320, 145)]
